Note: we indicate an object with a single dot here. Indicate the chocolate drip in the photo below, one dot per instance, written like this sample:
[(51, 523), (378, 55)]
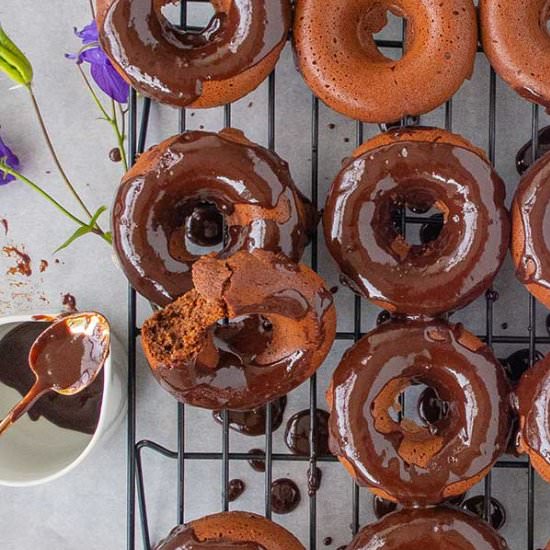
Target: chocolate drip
[(236, 489), (285, 496), (170, 65), (253, 422), (184, 538), (257, 464), (298, 430), (79, 412)]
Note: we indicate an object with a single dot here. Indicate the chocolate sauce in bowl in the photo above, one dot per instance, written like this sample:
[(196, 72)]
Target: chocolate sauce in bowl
[(78, 412)]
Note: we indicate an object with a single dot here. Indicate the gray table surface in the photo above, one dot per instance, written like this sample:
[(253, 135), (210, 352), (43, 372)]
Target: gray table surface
[(86, 509)]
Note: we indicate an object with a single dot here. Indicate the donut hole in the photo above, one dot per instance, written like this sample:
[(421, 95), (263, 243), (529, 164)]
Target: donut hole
[(198, 14), (382, 21), (416, 414), (416, 220)]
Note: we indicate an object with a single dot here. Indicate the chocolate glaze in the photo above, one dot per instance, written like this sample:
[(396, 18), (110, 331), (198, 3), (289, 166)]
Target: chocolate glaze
[(175, 191), (23, 264), (439, 527), (419, 464), (170, 65), (298, 429), (184, 538), (383, 507), (476, 505), (257, 464), (235, 490), (79, 412), (443, 274), (533, 408), (285, 496), (314, 478), (291, 297), (253, 422), (531, 229), (524, 157), (69, 301), (114, 155)]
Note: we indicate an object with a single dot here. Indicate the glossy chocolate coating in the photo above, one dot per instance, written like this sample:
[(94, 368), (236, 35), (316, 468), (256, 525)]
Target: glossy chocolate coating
[(79, 412), (533, 408), (531, 230), (183, 538), (441, 275), (524, 157), (170, 65), (235, 490), (298, 429), (290, 296), (518, 362), (285, 496), (253, 422), (257, 464), (439, 527), (161, 214), (382, 507), (405, 461)]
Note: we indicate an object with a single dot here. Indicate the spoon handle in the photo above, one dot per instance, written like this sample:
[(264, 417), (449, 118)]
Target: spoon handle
[(18, 410)]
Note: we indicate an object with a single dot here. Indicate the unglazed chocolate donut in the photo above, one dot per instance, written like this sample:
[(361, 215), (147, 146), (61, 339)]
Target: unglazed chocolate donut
[(172, 205), (280, 325), (533, 408), (417, 167), (531, 230), (228, 59), (230, 531), (517, 43), (441, 527), (341, 63), (408, 462)]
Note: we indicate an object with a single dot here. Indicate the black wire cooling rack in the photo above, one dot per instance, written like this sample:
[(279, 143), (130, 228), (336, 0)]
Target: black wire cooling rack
[(136, 505)]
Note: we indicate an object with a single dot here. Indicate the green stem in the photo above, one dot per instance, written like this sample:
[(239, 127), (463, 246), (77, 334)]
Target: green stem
[(119, 135), (94, 95), (54, 154)]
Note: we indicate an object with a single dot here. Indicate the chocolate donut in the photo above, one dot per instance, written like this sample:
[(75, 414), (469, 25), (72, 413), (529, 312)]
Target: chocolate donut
[(341, 63), (230, 531), (228, 59), (533, 408), (407, 461), (517, 43), (172, 206), (417, 168), (440, 527), (280, 323), (531, 230)]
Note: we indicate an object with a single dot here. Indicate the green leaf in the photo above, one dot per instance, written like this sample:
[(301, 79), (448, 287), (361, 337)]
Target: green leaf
[(13, 62), (98, 213), (80, 232)]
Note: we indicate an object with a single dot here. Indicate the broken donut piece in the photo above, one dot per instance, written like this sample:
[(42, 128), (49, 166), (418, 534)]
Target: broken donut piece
[(255, 326)]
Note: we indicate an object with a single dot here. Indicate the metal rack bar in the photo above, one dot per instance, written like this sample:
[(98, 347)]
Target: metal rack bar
[(135, 449)]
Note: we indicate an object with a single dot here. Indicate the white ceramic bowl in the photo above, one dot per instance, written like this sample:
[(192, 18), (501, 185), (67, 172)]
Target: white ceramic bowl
[(35, 452)]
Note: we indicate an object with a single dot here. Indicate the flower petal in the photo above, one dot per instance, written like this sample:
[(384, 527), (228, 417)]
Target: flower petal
[(88, 34), (7, 155), (108, 79)]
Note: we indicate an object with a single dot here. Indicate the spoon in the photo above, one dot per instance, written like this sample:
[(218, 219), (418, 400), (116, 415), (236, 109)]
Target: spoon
[(65, 358)]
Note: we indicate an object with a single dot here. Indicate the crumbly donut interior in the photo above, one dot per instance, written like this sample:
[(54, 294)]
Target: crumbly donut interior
[(177, 332)]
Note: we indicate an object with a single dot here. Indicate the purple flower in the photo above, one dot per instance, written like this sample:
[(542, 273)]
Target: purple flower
[(101, 68), (7, 156)]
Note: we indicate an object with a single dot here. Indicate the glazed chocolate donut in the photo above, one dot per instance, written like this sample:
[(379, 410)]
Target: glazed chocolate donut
[(409, 462), (417, 168), (531, 230), (228, 59), (516, 41), (172, 205), (280, 325), (533, 408), (230, 531), (440, 527), (341, 63)]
